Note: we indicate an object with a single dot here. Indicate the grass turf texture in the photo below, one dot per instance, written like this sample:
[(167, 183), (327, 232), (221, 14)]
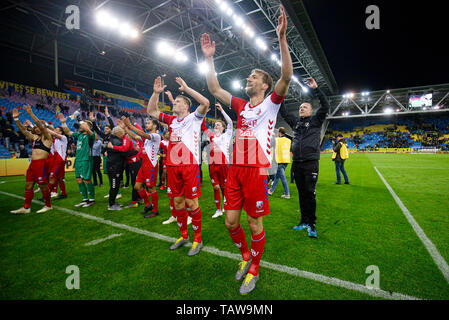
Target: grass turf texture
[(358, 225)]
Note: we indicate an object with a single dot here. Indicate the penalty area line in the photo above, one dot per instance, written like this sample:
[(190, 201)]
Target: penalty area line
[(237, 257), (431, 248)]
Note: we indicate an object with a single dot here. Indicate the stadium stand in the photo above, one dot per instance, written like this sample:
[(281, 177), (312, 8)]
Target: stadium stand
[(408, 132)]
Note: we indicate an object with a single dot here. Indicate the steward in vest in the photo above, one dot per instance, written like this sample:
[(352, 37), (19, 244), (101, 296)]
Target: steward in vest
[(339, 156)]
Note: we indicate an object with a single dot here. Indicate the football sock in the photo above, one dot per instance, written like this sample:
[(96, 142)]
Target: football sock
[(238, 236), (144, 196), (29, 194), (181, 216), (83, 190), (217, 198), (257, 246), (154, 200), (196, 223)]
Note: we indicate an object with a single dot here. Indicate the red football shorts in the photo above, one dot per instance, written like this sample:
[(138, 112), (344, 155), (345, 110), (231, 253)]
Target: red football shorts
[(218, 174), (247, 188), (38, 171), (57, 168), (183, 181), (148, 175)]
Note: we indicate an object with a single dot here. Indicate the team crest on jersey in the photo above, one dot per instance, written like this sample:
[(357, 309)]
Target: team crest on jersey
[(307, 124), (212, 180), (168, 190), (259, 205), (258, 112), (194, 227), (193, 189)]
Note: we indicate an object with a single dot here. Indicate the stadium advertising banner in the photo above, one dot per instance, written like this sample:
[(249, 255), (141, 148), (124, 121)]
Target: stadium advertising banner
[(18, 167), (29, 89)]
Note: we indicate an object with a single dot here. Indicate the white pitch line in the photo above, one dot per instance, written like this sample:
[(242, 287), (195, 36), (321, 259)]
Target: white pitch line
[(94, 242), (436, 256), (277, 267)]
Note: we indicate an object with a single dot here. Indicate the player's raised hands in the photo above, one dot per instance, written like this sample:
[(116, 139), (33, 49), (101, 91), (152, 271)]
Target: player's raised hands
[(219, 107), (182, 84), (169, 95), (158, 87), (121, 124), (207, 46), (312, 83), (106, 112), (62, 118), (282, 23), (15, 113)]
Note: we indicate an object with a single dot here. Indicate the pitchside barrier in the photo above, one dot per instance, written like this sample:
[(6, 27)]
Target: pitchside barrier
[(18, 167)]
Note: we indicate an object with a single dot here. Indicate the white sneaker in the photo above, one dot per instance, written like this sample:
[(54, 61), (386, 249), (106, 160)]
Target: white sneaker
[(189, 220), (119, 196), (170, 220), (285, 196), (21, 211), (106, 196), (54, 194), (217, 214), (37, 190), (44, 209)]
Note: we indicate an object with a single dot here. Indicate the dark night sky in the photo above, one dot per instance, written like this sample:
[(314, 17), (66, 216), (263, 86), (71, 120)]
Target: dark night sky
[(410, 49)]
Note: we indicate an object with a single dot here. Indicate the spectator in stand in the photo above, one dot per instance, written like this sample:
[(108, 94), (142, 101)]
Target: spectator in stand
[(23, 152), (282, 153)]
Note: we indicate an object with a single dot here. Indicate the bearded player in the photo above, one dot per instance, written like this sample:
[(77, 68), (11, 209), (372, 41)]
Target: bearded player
[(183, 176), (219, 156), (246, 186), (38, 169)]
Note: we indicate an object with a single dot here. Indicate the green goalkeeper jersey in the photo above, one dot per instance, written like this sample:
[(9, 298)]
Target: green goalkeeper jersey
[(84, 144)]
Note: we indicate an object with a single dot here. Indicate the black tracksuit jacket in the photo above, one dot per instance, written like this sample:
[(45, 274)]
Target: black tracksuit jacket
[(307, 131)]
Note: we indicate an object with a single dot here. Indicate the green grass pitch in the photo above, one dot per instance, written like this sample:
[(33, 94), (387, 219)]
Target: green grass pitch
[(358, 226)]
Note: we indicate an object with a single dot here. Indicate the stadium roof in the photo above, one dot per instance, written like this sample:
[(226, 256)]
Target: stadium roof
[(103, 54)]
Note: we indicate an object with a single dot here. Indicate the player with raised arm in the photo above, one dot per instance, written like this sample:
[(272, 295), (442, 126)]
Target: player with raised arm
[(183, 176), (85, 139), (38, 170), (148, 171), (247, 184), (219, 156), (57, 167)]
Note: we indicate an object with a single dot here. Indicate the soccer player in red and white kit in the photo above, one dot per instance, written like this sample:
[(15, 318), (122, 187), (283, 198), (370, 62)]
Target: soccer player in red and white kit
[(148, 171), (38, 169), (246, 186), (57, 164), (219, 156), (183, 176)]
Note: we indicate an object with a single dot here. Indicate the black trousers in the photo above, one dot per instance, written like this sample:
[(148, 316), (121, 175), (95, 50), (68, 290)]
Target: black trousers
[(134, 168), (114, 185), (306, 178), (127, 174), (161, 168), (96, 170)]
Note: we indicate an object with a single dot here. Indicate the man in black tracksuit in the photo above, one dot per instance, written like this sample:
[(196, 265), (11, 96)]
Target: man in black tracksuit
[(306, 154)]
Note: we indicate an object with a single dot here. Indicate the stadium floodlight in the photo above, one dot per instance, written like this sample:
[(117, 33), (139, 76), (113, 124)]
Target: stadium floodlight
[(304, 89), (294, 78), (217, 1), (425, 108), (261, 44), (203, 67), (224, 6), (124, 29), (180, 57), (238, 21), (229, 12), (249, 32), (388, 111), (388, 91), (236, 84), (164, 49), (134, 33), (103, 18), (273, 57)]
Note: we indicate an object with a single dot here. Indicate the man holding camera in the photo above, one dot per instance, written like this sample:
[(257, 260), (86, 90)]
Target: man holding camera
[(339, 157)]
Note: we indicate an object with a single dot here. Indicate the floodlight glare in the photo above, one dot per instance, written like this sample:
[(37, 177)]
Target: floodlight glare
[(238, 21), (103, 18), (388, 111), (261, 44), (203, 68), (305, 89), (180, 57), (224, 6), (125, 29), (229, 12), (134, 33), (236, 84), (164, 48), (273, 57)]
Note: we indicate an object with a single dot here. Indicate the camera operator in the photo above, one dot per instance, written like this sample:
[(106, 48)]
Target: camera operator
[(339, 157)]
